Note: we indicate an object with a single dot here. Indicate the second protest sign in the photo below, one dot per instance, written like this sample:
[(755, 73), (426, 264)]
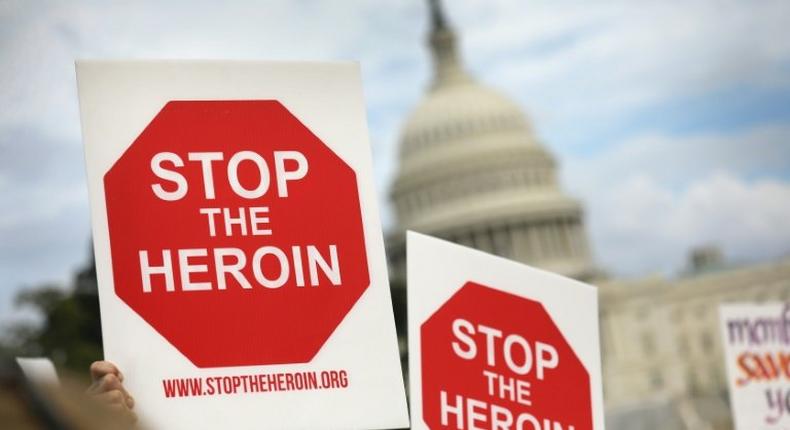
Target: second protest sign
[(497, 345)]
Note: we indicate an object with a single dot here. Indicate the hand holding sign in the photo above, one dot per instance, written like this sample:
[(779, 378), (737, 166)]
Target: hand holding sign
[(107, 388)]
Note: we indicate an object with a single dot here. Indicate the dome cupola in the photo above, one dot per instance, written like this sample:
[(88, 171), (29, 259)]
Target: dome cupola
[(472, 170)]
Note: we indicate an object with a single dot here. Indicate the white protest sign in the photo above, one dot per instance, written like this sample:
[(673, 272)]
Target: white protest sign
[(240, 259), (756, 342), (38, 370), (495, 344)]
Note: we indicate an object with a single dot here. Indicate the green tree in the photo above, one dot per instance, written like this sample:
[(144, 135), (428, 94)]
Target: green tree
[(69, 331)]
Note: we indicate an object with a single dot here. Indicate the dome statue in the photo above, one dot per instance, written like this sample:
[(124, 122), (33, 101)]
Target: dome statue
[(472, 171)]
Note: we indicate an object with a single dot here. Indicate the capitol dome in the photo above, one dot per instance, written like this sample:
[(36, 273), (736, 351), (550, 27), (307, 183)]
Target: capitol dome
[(472, 170), (452, 113)]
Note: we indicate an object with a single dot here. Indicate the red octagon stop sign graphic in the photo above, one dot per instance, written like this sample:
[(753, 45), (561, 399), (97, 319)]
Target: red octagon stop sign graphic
[(493, 360), (236, 233)]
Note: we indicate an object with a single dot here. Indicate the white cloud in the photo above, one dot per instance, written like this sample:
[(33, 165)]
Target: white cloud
[(572, 60), (578, 66), (43, 224), (651, 199), (646, 227), (573, 64), (677, 161)]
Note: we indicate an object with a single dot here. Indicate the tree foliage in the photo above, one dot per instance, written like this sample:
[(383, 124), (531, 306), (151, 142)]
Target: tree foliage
[(69, 329)]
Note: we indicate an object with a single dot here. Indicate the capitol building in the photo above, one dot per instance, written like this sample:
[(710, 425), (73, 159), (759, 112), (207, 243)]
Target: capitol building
[(473, 171)]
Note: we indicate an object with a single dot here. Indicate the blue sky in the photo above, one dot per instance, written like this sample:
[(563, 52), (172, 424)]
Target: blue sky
[(670, 119)]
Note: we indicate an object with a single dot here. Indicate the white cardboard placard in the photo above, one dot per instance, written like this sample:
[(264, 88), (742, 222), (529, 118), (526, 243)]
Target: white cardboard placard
[(118, 99), (756, 339), (39, 370), (437, 271)]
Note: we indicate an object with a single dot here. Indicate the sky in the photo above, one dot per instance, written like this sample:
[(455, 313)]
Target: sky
[(670, 119)]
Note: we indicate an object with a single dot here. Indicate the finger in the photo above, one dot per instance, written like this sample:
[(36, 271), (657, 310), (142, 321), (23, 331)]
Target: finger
[(113, 398), (120, 409), (131, 416), (106, 383), (111, 383), (100, 368)]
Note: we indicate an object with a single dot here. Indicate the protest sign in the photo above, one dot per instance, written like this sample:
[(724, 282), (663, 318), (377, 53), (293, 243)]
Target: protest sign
[(495, 344), (756, 342), (242, 278), (40, 371)]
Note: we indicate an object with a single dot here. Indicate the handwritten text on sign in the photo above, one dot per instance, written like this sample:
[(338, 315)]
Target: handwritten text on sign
[(757, 345)]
